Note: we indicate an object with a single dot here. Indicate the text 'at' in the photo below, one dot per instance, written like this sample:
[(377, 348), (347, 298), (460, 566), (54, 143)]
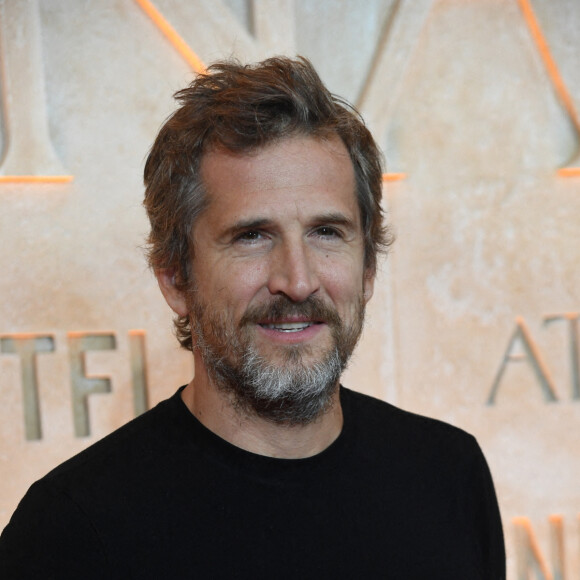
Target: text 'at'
[(530, 352)]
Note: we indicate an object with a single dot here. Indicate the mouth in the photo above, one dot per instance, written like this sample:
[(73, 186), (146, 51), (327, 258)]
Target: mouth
[(289, 326)]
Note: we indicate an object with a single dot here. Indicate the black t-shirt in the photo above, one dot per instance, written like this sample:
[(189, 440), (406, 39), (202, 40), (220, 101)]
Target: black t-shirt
[(395, 496)]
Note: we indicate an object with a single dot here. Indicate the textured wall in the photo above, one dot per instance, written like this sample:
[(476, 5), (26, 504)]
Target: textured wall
[(475, 318)]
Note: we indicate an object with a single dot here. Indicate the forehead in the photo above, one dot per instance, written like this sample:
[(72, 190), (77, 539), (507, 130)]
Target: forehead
[(300, 172)]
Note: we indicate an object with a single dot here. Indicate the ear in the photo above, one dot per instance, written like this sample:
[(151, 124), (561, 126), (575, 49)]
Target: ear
[(368, 284), (173, 296)]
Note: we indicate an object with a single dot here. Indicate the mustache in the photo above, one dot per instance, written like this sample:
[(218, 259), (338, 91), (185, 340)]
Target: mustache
[(281, 307)]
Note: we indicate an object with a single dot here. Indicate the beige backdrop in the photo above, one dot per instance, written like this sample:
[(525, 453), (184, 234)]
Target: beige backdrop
[(475, 318)]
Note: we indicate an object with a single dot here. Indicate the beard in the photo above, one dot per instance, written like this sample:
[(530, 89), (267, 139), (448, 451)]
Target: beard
[(290, 390)]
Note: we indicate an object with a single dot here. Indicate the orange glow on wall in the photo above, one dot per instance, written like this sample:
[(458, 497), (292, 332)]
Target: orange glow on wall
[(569, 172), (20, 335), (136, 332), (553, 73), (36, 178), (81, 333), (393, 177), (171, 34)]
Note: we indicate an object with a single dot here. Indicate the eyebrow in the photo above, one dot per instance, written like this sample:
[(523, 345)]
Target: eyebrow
[(253, 223), (249, 224), (336, 218)]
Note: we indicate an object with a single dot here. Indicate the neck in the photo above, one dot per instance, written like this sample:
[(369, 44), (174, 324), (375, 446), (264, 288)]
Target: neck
[(214, 409)]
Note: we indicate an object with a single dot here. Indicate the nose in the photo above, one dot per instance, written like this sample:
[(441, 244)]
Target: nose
[(293, 272)]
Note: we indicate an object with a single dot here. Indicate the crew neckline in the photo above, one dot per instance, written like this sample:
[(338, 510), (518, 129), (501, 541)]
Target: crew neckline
[(218, 449)]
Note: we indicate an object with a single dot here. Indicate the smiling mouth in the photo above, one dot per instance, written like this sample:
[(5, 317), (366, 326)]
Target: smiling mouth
[(288, 326)]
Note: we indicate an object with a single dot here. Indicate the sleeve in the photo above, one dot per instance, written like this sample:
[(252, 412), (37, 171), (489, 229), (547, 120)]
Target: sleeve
[(488, 521), (49, 537)]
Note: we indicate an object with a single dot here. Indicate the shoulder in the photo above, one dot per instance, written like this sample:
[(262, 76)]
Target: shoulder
[(82, 503), (131, 448), (434, 467), (407, 447), (394, 431), (384, 416)]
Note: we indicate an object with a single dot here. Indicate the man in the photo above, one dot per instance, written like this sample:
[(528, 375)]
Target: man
[(263, 193)]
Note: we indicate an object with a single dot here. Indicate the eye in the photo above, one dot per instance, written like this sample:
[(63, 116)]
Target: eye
[(327, 232), (249, 237)]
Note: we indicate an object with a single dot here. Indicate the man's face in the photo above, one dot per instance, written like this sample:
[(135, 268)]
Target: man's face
[(279, 281)]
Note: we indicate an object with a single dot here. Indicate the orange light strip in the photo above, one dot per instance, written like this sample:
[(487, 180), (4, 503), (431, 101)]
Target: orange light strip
[(36, 178), (569, 172), (550, 63), (171, 34), (137, 332), (81, 333), (394, 177), (25, 335), (553, 73)]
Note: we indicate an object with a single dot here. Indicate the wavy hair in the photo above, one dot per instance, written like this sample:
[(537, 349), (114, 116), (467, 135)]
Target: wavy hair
[(242, 108)]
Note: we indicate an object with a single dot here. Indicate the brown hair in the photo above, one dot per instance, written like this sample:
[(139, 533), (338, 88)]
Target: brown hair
[(241, 108)]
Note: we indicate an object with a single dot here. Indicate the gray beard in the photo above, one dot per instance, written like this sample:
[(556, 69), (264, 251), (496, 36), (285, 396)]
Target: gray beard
[(293, 394), (289, 392)]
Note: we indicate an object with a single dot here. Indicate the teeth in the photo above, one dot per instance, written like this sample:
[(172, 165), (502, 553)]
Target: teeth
[(288, 326)]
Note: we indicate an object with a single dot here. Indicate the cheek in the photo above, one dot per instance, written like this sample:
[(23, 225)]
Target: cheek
[(251, 273), (236, 286), (344, 283)]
